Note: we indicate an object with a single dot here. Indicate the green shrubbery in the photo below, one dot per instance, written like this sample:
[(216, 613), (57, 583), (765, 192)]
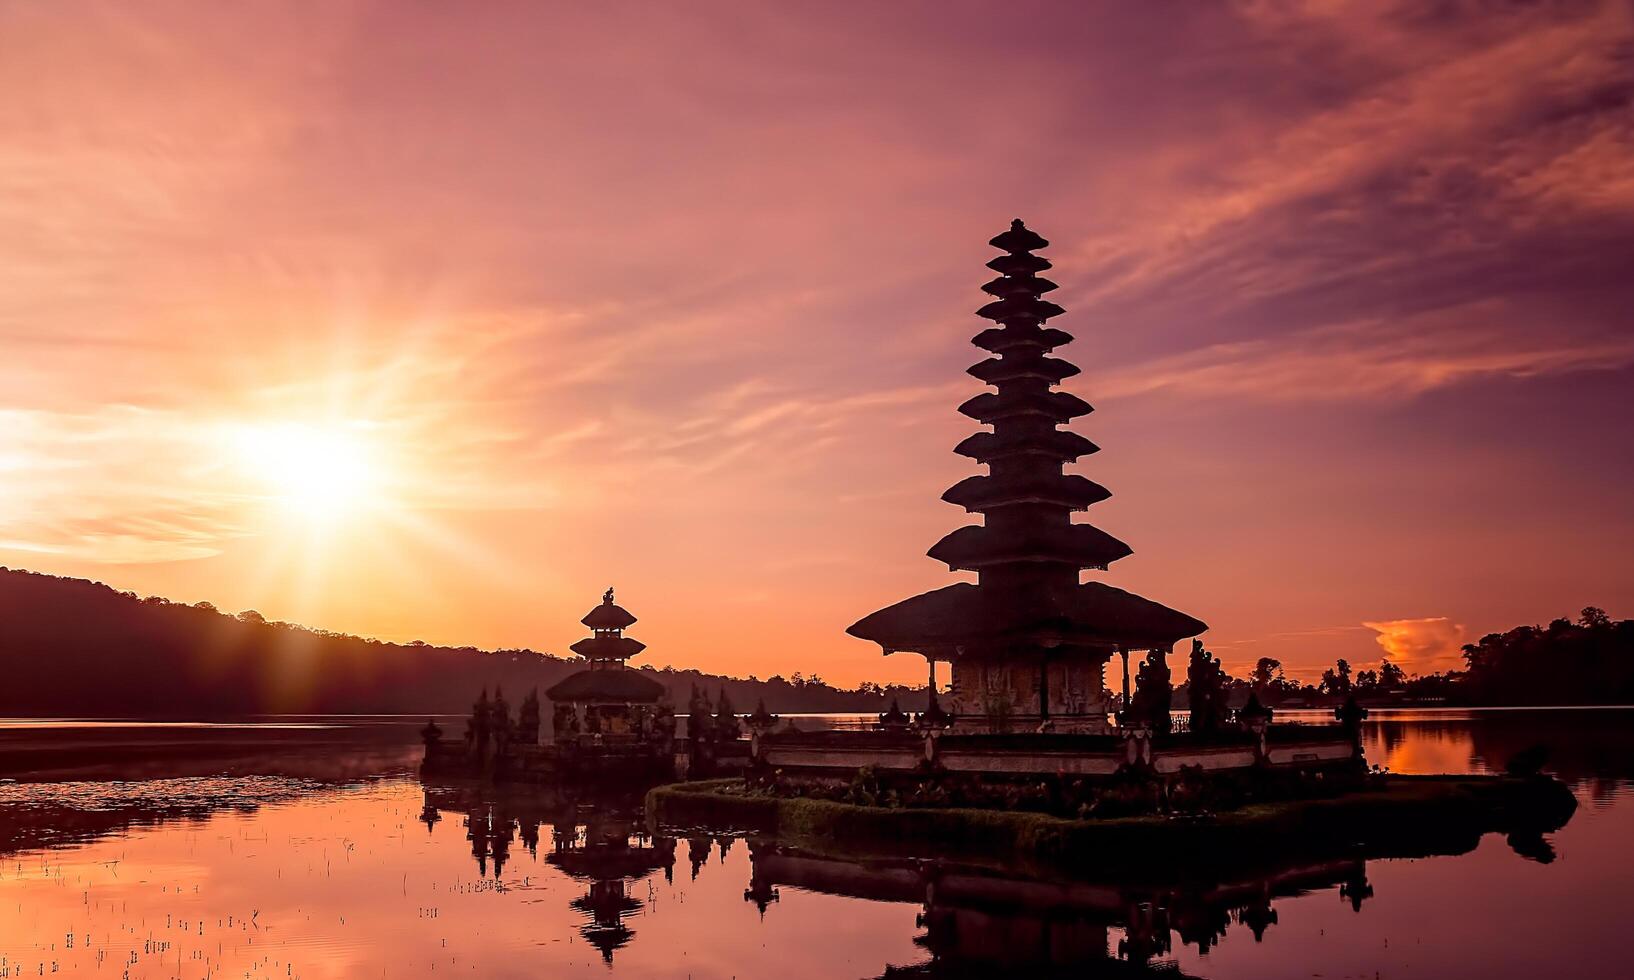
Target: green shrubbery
[(1133, 793), (1399, 815)]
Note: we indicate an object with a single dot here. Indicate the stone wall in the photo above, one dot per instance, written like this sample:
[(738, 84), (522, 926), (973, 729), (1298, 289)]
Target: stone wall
[(982, 694), (840, 754)]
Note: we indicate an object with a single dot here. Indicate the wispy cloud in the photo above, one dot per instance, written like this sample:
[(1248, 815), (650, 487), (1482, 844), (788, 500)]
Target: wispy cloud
[(1372, 359), (118, 484), (704, 294)]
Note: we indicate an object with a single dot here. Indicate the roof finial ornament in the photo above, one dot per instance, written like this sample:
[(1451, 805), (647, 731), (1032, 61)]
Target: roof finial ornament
[(607, 597), (1016, 225)]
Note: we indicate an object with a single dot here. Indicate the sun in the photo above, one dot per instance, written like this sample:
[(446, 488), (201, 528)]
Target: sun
[(317, 471)]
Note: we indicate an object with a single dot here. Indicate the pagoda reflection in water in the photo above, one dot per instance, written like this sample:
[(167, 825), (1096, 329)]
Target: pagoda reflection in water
[(599, 840), (609, 851), (978, 921), (1027, 920)]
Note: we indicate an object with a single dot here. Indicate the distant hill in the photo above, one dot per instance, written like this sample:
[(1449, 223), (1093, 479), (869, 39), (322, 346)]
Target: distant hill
[(78, 648)]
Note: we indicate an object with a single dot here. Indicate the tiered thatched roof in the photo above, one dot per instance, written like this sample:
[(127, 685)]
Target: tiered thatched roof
[(1027, 552), (607, 678)]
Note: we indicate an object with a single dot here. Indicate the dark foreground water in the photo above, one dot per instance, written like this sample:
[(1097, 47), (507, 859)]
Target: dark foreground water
[(306, 848)]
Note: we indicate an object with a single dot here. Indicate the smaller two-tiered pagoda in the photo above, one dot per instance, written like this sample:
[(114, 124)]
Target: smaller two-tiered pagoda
[(609, 723), (607, 698)]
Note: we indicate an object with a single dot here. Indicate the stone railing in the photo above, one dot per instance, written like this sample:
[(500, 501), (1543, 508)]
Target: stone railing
[(1020, 754)]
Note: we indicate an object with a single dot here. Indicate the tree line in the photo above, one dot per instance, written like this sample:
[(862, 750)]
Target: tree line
[(79, 648), (73, 647), (1589, 660)]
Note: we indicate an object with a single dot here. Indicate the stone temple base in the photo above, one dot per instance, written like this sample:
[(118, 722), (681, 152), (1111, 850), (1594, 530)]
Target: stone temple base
[(1095, 723), (1020, 754)]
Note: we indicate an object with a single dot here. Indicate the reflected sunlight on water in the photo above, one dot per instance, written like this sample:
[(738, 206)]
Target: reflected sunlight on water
[(350, 882), (291, 875)]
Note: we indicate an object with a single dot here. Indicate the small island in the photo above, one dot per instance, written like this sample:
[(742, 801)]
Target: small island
[(1026, 755)]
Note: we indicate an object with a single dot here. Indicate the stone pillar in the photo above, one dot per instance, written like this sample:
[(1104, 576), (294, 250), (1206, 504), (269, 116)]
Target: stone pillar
[(1123, 715)]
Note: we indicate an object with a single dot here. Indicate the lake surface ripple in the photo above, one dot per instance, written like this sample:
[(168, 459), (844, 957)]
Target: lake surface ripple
[(307, 848)]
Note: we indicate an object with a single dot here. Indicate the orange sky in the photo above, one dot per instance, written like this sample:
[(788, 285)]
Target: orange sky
[(407, 320)]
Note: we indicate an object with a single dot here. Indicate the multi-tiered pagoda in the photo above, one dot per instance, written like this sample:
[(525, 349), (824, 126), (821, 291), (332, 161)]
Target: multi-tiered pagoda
[(607, 698), (1028, 641), (609, 723)]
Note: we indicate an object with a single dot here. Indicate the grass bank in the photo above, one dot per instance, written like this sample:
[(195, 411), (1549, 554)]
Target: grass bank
[(1401, 816)]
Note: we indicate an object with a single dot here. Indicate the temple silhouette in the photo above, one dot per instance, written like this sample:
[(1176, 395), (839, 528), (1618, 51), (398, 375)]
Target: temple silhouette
[(1028, 639), (608, 713), (608, 723)]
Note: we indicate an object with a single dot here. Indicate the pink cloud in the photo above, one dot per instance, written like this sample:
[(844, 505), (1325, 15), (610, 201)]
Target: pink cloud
[(683, 299), (1420, 645)]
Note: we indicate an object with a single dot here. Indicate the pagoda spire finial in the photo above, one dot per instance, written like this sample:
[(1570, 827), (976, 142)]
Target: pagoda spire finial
[(1020, 241), (607, 643)]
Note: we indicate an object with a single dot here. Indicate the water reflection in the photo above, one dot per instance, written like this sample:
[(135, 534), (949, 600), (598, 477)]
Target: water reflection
[(280, 875), (969, 921), (598, 839), (1591, 749), (51, 815), (67, 781), (974, 921)]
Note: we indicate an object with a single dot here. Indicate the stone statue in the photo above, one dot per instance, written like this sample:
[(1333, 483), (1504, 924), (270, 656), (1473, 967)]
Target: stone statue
[(1205, 681), (893, 719), (1149, 706), (564, 722)]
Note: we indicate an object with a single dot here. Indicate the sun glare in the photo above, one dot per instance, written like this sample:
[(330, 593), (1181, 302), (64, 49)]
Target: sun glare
[(317, 471)]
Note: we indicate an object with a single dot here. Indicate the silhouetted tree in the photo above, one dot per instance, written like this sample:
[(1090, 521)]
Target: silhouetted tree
[(1590, 661), (700, 724), (726, 719), (1336, 679)]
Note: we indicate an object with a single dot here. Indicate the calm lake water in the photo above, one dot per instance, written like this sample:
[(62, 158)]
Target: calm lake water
[(305, 847)]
